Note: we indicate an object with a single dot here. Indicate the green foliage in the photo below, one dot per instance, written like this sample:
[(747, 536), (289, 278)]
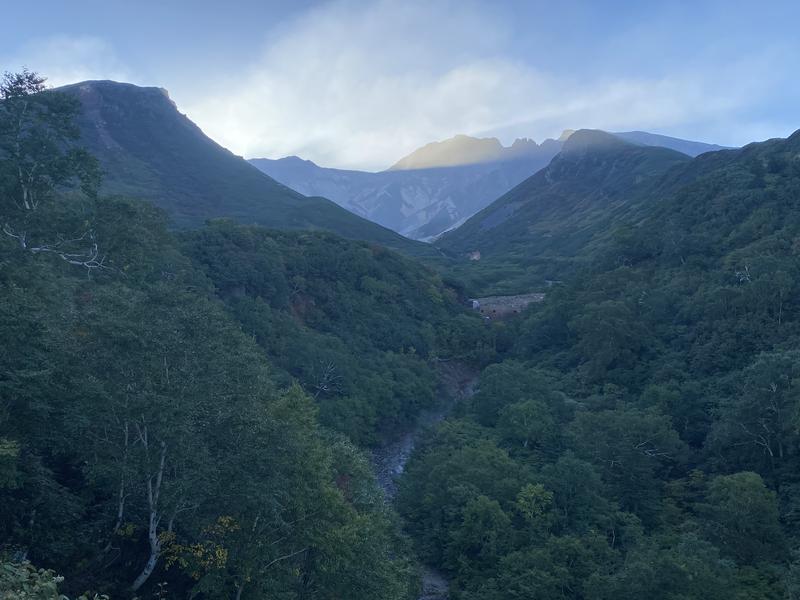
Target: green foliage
[(38, 138), (39, 156), (670, 568), (9, 455), (23, 581), (648, 407), (358, 326), (633, 450), (147, 443), (483, 536), (160, 410), (743, 518), (445, 476)]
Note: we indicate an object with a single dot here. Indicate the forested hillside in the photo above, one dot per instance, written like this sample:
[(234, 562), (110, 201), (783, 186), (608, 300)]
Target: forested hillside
[(358, 325), (161, 397), (640, 440)]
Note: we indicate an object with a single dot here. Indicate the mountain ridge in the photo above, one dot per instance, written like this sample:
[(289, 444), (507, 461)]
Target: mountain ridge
[(149, 150), (426, 193), (596, 180), (593, 166), (462, 150)]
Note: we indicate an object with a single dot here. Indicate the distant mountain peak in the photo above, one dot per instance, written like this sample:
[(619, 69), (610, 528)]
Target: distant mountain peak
[(109, 84), (149, 150), (584, 139), (456, 151), (462, 150), (521, 146), (298, 160)]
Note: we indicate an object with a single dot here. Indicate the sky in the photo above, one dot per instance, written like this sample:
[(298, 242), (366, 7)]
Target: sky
[(358, 84)]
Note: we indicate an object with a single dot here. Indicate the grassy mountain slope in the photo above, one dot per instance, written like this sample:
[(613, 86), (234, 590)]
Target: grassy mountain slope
[(595, 181), (151, 151)]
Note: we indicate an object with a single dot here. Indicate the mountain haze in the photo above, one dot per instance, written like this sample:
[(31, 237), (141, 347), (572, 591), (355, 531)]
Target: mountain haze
[(687, 147), (462, 150)]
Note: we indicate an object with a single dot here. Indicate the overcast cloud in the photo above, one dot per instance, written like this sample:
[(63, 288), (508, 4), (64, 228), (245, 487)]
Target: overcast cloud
[(358, 84), (357, 87)]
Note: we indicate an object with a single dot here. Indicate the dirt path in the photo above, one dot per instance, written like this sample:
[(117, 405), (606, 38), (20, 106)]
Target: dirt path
[(457, 383)]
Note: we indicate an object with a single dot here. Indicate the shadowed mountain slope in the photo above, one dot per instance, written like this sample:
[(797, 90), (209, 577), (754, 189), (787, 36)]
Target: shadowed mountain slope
[(149, 150), (556, 211)]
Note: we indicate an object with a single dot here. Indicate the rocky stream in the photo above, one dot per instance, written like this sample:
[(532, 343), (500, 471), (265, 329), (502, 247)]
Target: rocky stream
[(457, 383)]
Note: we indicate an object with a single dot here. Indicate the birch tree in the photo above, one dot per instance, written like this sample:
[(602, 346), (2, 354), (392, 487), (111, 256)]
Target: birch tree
[(39, 156)]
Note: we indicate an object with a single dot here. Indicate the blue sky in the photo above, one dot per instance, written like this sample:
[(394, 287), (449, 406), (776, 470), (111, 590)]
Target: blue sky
[(358, 84)]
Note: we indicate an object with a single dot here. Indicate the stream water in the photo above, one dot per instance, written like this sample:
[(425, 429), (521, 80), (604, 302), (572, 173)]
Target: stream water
[(457, 383)]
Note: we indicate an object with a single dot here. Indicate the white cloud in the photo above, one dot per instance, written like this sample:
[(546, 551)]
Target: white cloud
[(67, 59), (359, 84)]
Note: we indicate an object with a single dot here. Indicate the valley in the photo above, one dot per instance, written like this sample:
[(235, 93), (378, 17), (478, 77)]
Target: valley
[(218, 383), (456, 385)]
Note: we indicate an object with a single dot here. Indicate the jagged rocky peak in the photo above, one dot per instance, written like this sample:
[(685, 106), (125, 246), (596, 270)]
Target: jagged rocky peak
[(521, 147), (524, 143)]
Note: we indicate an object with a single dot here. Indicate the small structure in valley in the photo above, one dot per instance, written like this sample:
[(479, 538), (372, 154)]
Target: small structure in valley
[(499, 307)]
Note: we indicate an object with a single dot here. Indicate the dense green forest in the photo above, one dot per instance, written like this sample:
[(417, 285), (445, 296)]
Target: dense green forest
[(187, 413), (357, 325), (640, 439), (162, 394)]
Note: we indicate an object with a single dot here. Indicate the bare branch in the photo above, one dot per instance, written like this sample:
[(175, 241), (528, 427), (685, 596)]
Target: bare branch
[(89, 258)]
